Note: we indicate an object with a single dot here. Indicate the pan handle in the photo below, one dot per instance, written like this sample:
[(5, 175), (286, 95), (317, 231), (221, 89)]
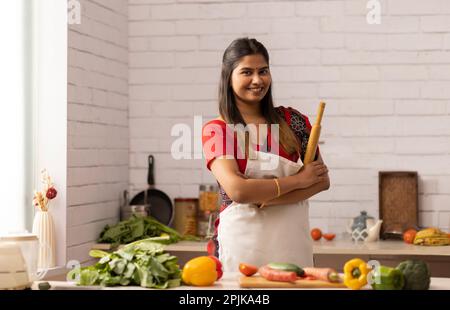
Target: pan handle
[(151, 176)]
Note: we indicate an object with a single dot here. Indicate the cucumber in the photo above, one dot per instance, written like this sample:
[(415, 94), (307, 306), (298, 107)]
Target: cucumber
[(287, 267)]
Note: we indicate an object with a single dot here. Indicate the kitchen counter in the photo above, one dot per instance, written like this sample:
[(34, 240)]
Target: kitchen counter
[(228, 282), (335, 253), (382, 247)]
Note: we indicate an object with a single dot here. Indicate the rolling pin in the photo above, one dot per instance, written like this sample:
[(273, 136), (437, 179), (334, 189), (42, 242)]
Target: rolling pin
[(314, 136)]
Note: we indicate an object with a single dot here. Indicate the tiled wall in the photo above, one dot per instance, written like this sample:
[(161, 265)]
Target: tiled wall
[(98, 142), (138, 67), (387, 89)]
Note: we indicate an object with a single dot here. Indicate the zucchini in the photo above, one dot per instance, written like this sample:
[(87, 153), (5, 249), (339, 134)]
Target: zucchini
[(287, 267)]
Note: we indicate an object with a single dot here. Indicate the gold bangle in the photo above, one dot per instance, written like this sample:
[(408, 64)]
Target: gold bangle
[(278, 187)]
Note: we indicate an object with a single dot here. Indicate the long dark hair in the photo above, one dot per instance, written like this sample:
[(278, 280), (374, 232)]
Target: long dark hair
[(227, 102)]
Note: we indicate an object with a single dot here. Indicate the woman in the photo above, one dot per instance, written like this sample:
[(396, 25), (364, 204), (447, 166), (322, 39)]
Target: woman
[(264, 215)]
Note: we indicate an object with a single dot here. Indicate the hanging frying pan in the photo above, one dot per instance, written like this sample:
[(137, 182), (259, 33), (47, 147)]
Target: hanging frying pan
[(161, 207)]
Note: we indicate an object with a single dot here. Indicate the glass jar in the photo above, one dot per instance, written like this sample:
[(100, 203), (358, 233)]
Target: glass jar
[(205, 227), (185, 218), (208, 198)]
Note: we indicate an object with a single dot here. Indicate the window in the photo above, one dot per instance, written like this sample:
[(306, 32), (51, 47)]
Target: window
[(33, 129), (15, 125)]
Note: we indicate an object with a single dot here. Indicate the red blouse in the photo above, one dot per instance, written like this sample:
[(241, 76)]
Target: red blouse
[(220, 126)]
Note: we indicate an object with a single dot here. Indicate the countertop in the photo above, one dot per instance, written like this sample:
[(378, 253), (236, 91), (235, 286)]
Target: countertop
[(228, 282), (382, 247)]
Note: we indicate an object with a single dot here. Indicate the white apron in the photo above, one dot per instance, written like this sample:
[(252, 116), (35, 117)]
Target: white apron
[(248, 234)]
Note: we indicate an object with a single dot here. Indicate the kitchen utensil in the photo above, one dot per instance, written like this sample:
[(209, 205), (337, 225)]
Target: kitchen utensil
[(359, 222), (260, 282), (18, 261), (126, 198), (398, 202), (373, 230), (310, 153), (127, 210), (358, 226), (161, 207), (138, 210)]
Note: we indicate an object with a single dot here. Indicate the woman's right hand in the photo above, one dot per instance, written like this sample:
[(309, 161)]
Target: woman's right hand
[(311, 174)]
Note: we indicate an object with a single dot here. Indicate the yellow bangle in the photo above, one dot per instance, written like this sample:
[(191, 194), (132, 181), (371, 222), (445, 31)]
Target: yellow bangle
[(278, 187)]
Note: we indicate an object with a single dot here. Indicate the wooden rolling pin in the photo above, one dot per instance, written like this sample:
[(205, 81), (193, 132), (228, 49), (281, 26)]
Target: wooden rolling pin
[(314, 136)]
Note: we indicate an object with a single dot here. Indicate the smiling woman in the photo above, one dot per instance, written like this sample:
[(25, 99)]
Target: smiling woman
[(264, 206)]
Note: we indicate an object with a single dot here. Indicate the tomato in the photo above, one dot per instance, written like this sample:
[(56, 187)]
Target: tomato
[(409, 235), (247, 269), (218, 266), (329, 237), (316, 234), (210, 247)]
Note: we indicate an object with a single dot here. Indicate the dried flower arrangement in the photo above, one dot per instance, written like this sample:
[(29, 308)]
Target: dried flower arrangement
[(41, 199)]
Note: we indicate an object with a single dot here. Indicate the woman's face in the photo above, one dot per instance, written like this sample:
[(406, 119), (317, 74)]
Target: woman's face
[(251, 79)]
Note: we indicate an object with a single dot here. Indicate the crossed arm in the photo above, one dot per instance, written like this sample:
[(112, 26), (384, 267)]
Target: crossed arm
[(312, 179)]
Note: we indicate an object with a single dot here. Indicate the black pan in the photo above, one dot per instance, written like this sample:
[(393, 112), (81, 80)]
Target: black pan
[(161, 207)]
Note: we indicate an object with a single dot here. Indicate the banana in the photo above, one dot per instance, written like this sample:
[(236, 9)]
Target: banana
[(431, 236)]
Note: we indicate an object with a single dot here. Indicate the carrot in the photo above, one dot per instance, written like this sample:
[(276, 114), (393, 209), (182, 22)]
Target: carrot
[(324, 274), (277, 275), (307, 278)]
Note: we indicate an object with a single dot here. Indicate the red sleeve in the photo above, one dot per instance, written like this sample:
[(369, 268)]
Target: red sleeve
[(218, 142)]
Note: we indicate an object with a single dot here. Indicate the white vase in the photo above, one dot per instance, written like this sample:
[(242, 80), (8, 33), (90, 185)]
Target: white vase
[(44, 229)]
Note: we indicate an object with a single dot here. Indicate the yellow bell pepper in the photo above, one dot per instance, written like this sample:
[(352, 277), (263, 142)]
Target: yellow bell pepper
[(199, 271), (355, 273)]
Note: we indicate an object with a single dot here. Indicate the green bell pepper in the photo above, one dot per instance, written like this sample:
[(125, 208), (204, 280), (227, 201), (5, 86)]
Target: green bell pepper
[(386, 278)]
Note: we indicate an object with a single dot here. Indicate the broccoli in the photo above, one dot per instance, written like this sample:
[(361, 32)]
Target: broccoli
[(416, 273)]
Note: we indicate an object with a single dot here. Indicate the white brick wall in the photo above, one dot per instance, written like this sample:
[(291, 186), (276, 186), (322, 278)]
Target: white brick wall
[(98, 135), (387, 88)]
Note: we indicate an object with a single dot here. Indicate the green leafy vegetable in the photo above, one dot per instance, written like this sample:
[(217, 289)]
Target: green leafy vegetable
[(143, 263), (137, 228)]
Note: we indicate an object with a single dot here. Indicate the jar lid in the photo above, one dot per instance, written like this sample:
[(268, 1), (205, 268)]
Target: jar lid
[(19, 237), (186, 199), (208, 188)]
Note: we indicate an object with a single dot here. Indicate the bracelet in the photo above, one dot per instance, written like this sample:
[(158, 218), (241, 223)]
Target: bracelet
[(278, 187)]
